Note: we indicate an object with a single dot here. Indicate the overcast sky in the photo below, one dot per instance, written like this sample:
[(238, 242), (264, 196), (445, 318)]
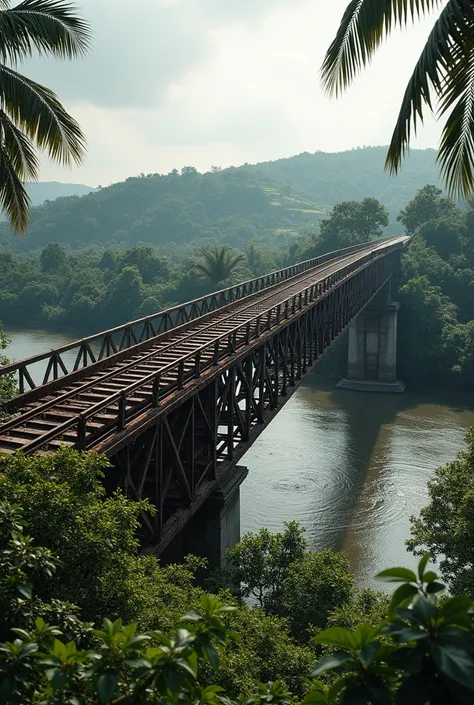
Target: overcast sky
[(219, 82)]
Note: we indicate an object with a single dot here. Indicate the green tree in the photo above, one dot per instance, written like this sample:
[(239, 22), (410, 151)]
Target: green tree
[(31, 114), (312, 588), (261, 562), (428, 204), (444, 68), (94, 537), (123, 296), (53, 257), (446, 525), (351, 223), (218, 262)]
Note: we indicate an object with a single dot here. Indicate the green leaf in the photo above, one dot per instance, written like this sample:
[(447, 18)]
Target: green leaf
[(422, 565), (397, 575), (329, 663), (106, 687), (455, 608), (433, 588), (410, 634), (430, 576), (58, 681), (401, 594), (337, 636), (25, 590), (315, 698), (211, 655), (456, 663), (137, 662), (368, 652), (424, 611)]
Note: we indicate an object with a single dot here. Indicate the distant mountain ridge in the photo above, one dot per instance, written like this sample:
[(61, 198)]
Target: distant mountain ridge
[(270, 201), (41, 191)]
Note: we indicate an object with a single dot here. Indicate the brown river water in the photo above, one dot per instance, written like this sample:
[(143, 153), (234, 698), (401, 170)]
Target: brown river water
[(350, 467)]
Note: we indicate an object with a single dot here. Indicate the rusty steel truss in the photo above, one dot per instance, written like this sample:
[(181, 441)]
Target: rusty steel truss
[(174, 434)]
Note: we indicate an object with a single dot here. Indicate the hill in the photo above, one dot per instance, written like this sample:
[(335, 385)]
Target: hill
[(272, 201), (42, 191), (352, 175)]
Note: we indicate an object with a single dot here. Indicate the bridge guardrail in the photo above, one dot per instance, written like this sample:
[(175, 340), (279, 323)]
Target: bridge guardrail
[(122, 337), (192, 365)]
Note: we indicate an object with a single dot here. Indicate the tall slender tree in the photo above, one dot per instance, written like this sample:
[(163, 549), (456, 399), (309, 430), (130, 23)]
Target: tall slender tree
[(442, 80), (31, 115)]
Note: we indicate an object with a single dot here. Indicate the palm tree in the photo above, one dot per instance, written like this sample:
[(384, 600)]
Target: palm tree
[(31, 116), (218, 262), (444, 71)]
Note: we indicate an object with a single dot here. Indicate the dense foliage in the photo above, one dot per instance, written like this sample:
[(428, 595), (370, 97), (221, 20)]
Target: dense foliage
[(271, 202), (422, 652), (90, 291), (445, 526), (436, 332)]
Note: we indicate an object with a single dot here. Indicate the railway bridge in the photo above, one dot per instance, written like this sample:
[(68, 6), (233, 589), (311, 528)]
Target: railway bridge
[(176, 399)]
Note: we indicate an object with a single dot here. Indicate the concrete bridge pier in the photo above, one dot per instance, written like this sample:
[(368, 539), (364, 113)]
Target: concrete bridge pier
[(215, 527), (372, 354)]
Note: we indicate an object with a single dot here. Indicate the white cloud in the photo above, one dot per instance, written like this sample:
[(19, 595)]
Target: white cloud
[(207, 82)]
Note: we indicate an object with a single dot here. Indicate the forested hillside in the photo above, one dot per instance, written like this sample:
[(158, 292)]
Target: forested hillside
[(351, 176), (273, 202)]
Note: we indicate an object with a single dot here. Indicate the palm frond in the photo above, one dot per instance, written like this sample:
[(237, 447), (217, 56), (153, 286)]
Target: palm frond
[(36, 110), (456, 152), (47, 26), (14, 198), (363, 27), (18, 149), (440, 68)]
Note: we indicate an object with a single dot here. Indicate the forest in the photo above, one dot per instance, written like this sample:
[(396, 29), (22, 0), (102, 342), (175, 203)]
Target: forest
[(88, 290), (272, 203)]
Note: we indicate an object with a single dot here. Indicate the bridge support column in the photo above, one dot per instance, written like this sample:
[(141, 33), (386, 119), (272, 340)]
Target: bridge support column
[(372, 355), (215, 527)]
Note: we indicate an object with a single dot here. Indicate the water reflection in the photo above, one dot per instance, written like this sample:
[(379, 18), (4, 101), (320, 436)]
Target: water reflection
[(351, 468)]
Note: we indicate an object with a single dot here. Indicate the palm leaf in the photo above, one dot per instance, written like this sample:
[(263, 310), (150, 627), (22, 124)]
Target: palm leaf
[(363, 27), (47, 26), (456, 153), (445, 65), (37, 111), (18, 149), (14, 198)]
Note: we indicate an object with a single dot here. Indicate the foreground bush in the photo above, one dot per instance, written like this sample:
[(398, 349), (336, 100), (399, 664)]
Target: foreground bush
[(422, 653)]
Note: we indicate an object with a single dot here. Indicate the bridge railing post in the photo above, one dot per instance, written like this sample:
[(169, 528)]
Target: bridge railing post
[(155, 394), (122, 411), (81, 432)]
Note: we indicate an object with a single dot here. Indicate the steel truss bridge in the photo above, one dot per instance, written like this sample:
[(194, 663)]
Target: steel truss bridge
[(175, 399)]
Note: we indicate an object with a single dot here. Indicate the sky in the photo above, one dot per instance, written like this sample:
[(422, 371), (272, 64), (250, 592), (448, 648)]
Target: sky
[(173, 83)]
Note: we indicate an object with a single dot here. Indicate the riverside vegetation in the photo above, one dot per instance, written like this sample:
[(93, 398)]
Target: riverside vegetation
[(84, 618)]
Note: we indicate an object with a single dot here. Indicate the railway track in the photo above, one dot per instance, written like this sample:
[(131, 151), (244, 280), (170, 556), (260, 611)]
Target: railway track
[(51, 421)]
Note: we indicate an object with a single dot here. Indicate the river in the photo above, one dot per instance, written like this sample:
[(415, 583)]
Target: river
[(350, 467)]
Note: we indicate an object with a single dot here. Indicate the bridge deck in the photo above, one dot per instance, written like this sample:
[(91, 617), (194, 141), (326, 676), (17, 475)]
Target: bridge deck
[(82, 412)]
